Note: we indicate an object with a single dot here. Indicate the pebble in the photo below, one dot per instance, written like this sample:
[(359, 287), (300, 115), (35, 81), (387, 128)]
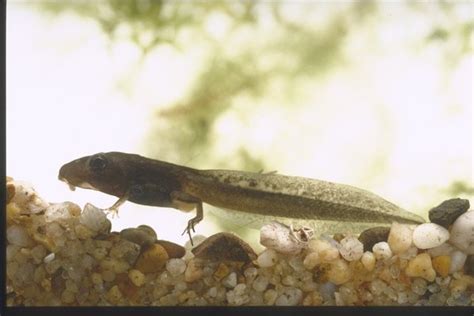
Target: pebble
[(368, 260), (238, 295), (281, 237), (470, 265), (17, 235), (137, 236), (444, 249), (311, 260), (462, 233), (230, 281), (327, 252), (173, 250), (400, 237), (351, 248), (429, 235), (339, 272), (10, 192), (152, 259), (176, 266), (382, 251), (260, 284), (267, 258), (194, 271), (95, 219), (26, 198), (448, 211), (441, 265), (224, 246), (421, 266), (270, 296), (289, 297), (458, 258), (372, 236), (137, 277), (221, 271)]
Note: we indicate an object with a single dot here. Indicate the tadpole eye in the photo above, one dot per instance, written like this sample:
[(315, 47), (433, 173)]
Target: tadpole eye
[(97, 163)]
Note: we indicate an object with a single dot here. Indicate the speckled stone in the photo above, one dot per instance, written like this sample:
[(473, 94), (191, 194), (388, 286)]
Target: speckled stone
[(462, 233), (421, 266), (371, 236), (224, 246), (446, 213), (137, 236), (429, 235), (400, 237)]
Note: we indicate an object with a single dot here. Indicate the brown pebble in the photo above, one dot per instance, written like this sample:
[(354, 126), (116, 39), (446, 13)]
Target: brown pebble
[(338, 237), (152, 259), (10, 192), (224, 246), (137, 236), (221, 271), (173, 250), (371, 236), (441, 265)]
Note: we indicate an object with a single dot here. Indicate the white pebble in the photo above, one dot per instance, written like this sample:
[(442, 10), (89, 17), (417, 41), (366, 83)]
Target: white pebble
[(94, 218), (57, 212), (351, 248), (311, 260), (176, 266), (238, 295), (462, 233), (27, 198), (382, 250), (368, 260), (458, 258), (260, 283), (429, 235), (267, 258), (49, 257), (400, 237), (289, 297), (230, 281), (327, 252), (280, 237), (17, 235)]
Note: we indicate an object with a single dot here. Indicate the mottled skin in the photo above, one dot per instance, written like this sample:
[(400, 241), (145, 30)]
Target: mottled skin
[(152, 182)]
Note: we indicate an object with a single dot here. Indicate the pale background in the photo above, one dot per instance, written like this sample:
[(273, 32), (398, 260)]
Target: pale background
[(388, 108)]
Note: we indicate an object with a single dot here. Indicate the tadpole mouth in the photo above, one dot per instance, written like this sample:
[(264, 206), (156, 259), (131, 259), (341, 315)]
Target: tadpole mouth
[(71, 187)]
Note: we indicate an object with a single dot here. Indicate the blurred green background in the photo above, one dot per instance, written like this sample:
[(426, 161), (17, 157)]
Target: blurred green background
[(373, 94)]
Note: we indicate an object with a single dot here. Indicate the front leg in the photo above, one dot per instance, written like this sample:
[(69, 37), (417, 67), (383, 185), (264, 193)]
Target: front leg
[(186, 202), (114, 208)]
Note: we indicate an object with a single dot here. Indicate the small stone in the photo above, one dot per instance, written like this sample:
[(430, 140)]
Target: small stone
[(250, 274), (326, 251), (469, 267), (327, 291), (61, 212), (313, 299), (152, 259), (368, 260), (137, 277), (281, 237), (429, 235), (444, 249), (462, 233), (10, 192), (351, 248), (458, 258), (238, 295), (382, 251), (311, 260), (270, 296), (441, 264), (17, 235), (372, 236), (221, 271), (26, 198), (173, 250), (290, 297), (448, 211), (267, 258), (49, 258), (224, 246), (260, 284), (339, 272), (193, 272), (137, 236), (230, 281), (400, 237), (419, 286), (176, 266), (95, 219), (114, 295), (421, 266)]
